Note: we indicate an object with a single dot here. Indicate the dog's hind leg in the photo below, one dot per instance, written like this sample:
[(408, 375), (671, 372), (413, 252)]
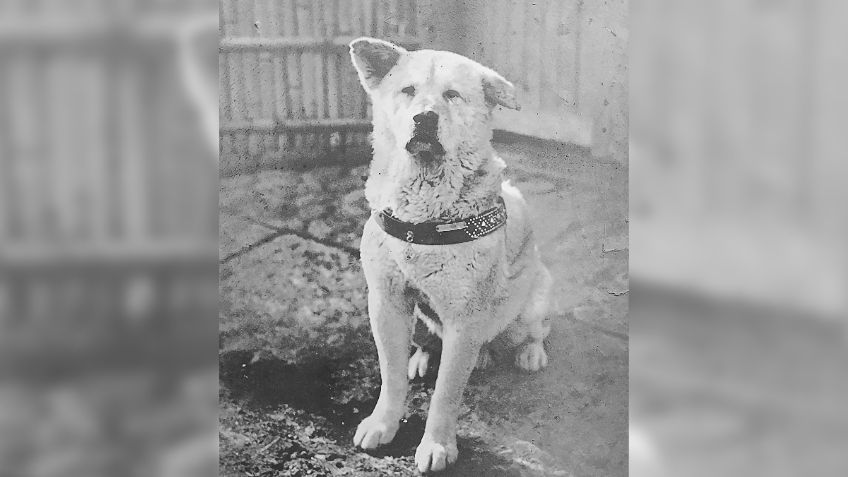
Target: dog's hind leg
[(425, 341), (418, 363), (426, 334), (535, 321)]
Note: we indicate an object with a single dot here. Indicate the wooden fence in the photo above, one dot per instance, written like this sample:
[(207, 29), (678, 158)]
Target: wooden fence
[(287, 86), (288, 89)]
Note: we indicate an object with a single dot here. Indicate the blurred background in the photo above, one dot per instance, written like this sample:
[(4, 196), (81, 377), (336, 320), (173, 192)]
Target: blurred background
[(108, 231), (739, 318)]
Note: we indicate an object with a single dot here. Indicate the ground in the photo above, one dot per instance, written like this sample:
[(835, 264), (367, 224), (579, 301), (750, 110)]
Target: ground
[(298, 367)]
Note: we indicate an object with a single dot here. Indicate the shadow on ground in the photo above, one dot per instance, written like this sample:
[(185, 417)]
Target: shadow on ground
[(289, 393)]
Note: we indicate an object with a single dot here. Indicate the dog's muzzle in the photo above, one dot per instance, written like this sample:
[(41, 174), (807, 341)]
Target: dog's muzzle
[(424, 144), (425, 147)]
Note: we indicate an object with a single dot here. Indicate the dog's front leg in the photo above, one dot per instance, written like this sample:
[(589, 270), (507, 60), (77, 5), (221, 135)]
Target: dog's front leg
[(390, 312), (459, 355)]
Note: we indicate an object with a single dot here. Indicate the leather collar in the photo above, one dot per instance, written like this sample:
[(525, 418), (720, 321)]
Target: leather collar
[(444, 233)]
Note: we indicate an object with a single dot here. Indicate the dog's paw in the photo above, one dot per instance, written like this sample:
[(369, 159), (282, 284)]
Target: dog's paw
[(532, 356), (374, 431), (418, 364), (484, 359), (432, 456)]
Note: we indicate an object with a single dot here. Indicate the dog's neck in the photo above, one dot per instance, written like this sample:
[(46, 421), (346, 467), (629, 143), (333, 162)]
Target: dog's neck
[(457, 186)]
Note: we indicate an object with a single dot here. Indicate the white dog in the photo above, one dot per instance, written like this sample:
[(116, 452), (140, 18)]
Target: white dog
[(448, 241)]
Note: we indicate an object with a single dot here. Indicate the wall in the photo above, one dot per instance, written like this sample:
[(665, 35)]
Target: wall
[(568, 59)]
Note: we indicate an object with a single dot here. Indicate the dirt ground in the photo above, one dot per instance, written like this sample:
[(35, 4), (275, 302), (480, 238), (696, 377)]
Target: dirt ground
[(298, 368)]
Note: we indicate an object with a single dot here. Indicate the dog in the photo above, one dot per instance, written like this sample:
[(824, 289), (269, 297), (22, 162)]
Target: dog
[(448, 241)]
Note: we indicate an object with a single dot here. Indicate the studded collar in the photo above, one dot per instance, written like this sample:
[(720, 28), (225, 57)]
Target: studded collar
[(444, 233)]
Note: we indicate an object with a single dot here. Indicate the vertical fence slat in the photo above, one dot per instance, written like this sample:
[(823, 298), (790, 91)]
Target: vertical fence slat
[(292, 69), (252, 84), (227, 11), (73, 89), (281, 99), (225, 106), (18, 97), (276, 82), (267, 29), (380, 18), (533, 49), (9, 193), (57, 152), (516, 41), (392, 20), (354, 19), (326, 19), (225, 103), (235, 66), (310, 81), (59, 142), (500, 37), (368, 21), (412, 9), (346, 21), (261, 18), (292, 65), (282, 16), (333, 22), (96, 154), (348, 101), (134, 174), (333, 93), (268, 95), (547, 44), (319, 85), (319, 32), (316, 85), (307, 82)]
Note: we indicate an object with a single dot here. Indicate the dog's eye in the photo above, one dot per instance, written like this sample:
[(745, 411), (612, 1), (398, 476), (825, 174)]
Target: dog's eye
[(409, 91), (451, 94)]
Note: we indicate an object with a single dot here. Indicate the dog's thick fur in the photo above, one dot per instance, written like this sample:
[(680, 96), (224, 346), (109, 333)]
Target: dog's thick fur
[(495, 286)]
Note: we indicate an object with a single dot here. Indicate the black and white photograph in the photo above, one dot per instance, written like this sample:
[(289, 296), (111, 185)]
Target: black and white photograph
[(284, 238), (423, 238)]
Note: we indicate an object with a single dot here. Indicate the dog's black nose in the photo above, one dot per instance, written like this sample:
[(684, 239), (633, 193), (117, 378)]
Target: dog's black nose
[(427, 120)]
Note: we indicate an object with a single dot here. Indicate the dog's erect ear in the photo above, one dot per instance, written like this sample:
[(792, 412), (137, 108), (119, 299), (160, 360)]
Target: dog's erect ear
[(498, 90), (373, 59)]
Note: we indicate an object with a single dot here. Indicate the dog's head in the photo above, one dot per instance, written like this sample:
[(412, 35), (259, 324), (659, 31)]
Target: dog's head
[(431, 104)]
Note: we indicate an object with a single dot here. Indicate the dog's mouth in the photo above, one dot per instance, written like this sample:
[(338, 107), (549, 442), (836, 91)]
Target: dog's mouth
[(425, 147)]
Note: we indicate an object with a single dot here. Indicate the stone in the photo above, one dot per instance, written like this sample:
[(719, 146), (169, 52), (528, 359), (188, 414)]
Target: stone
[(319, 228), (354, 203)]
